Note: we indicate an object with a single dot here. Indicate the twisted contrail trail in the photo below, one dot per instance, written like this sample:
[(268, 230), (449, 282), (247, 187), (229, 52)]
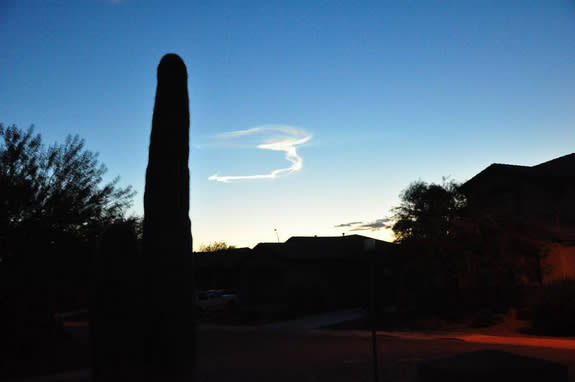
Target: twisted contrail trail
[(291, 137)]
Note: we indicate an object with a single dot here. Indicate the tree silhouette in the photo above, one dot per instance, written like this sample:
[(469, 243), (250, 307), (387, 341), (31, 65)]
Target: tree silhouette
[(451, 249), (427, 211), (58, 188), (216, 246), (53, 206)]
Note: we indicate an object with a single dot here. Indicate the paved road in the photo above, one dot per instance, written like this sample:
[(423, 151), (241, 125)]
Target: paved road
[(248, 354), (319, 320), (256, 355)]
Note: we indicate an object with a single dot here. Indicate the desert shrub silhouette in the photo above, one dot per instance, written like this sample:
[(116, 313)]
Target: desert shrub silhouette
[(116, 305)]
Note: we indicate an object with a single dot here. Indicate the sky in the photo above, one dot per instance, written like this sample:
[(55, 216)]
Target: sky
[(305, 116)]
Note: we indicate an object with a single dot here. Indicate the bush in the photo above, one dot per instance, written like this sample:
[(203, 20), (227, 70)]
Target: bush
[(554, 310)]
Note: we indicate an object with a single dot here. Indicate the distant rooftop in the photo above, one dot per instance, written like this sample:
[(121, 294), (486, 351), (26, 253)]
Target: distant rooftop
[(321, 246), (561, 166)]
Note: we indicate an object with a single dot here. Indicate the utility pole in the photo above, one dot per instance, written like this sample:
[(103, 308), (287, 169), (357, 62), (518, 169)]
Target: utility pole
[(277, 236), (369, 248)]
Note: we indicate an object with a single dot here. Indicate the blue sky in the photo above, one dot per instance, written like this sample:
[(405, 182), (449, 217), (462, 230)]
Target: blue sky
[(389, 91)]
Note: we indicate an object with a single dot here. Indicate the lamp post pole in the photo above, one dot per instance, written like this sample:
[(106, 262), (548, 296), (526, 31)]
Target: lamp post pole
[(369, 246)]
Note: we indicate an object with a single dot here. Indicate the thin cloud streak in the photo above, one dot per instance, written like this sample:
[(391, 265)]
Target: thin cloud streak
[(365, 226), (286, 144), (347, 224)]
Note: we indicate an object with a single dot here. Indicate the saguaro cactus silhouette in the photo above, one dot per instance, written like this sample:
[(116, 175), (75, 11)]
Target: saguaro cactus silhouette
[(170, 335)]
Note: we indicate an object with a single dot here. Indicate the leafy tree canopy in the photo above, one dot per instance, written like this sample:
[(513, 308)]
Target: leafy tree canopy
[(427, 211), (476, 247), (216, 246), (56, 188)]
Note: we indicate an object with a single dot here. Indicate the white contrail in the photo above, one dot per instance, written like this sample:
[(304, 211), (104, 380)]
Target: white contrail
[(288, 144)]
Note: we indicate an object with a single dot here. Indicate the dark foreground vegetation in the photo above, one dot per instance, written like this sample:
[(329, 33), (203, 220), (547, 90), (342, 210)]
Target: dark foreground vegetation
[(475, 251), (553, 310), (54, 205)]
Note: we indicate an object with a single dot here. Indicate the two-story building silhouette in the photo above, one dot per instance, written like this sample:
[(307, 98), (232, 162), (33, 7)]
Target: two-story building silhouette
[(542, 196)]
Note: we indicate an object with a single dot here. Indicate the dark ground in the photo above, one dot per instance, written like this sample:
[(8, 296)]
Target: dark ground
[(257, 355), (246, 354)]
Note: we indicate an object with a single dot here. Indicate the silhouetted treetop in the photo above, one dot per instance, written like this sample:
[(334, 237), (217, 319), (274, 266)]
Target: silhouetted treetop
[(58, 187), (216, 246), (427, 211)]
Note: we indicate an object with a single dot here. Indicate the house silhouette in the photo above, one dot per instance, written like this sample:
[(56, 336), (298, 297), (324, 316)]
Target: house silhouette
[(542, 196), (310, 273), (302, 274)]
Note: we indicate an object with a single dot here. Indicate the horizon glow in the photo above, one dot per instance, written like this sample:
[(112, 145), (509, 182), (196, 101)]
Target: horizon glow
[(393, 92)]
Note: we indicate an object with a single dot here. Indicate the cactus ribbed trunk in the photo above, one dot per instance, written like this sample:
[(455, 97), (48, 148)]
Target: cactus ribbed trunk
[(167, 249)]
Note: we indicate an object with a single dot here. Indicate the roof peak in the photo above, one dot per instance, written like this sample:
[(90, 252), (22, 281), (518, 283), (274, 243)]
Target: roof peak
[(560, 166), (555, 160)]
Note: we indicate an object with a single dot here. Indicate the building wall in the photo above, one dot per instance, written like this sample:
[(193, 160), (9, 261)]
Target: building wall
[(559, 263)]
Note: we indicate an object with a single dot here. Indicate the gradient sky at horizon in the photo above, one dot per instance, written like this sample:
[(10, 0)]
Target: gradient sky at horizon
[(391, 92)]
